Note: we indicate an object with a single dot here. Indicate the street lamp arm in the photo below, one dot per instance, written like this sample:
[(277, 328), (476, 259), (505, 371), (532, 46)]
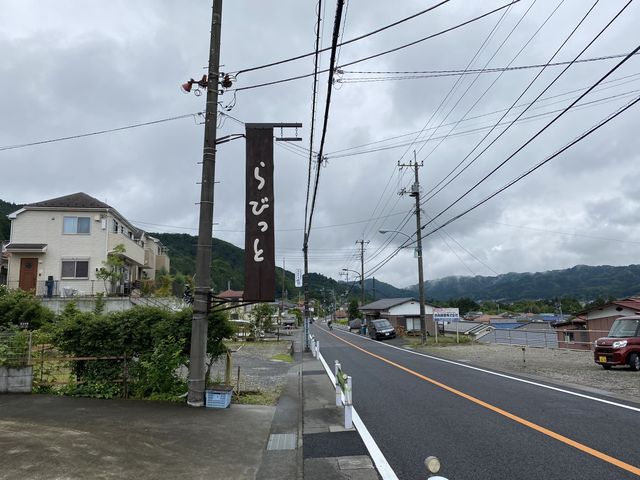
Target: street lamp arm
[(353, 271), (396, 231)]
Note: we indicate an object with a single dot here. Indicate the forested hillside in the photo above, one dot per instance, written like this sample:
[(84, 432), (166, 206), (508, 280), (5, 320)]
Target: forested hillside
[(5, 225), (582, 282)]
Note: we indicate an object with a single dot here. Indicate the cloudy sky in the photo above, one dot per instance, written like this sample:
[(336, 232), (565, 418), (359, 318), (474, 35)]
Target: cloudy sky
[(71, 67)]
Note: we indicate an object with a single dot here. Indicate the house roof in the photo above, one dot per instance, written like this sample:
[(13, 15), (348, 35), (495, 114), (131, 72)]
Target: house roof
[(231, 294), (386, 303), (632, 303), (75, 200)]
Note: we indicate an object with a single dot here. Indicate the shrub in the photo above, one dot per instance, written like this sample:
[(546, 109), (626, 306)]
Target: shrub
[(21, 308)]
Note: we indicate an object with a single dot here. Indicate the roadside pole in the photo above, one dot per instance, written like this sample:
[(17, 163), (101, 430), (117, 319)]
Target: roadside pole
[(197, 357)]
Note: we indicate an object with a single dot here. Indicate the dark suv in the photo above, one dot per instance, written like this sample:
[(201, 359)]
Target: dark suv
[(621, 346), (380, 329)]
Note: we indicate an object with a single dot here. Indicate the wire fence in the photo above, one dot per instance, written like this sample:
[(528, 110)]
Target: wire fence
[(15, 349)]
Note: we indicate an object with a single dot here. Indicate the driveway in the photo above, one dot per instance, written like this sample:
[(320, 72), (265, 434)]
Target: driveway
[(53, 437)]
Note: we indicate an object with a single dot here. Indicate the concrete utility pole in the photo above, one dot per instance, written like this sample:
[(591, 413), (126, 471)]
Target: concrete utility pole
[(415, 192), (305, 285), (362, 244), (197, 358)]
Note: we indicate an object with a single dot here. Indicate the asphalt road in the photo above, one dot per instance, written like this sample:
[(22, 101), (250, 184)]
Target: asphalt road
[(481, 425)]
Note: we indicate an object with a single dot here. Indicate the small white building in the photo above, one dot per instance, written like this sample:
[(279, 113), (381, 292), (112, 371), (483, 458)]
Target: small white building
[(57, 246), (401, 312)]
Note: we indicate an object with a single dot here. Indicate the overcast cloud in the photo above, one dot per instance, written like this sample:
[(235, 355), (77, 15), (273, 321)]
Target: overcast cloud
[(71, 67)]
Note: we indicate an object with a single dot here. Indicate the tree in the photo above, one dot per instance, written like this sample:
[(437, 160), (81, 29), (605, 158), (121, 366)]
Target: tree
[(261, 318), (354, 312), (112, 270)]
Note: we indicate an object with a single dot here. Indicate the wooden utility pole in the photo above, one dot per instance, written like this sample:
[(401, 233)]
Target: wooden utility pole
[(201, 306)]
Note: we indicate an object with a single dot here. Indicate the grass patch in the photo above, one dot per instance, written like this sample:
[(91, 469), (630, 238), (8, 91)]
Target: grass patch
[(257, 397), (443, 341), (282, 357)]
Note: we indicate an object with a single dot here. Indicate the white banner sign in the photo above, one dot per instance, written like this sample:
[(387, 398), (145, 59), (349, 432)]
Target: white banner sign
[(298, 277), (446, 314)]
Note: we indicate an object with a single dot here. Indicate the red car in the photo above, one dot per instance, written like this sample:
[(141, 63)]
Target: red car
[(621, 346)]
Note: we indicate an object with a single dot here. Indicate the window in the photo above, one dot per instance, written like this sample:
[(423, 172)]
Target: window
[(75, 225), (115, 226), (75, 269), (413, 324), (568, 337)]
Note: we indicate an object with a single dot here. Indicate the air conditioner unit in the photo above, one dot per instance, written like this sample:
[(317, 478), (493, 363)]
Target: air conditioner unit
[(96, 218)]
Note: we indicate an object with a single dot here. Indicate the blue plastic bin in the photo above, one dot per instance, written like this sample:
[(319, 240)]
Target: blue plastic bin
[(218, 397)]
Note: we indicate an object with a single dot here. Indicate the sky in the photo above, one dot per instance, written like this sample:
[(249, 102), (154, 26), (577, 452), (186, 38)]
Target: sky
[(70, 68)]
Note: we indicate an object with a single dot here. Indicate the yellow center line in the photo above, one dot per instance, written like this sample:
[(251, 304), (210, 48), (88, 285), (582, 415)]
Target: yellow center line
[(493, 408)]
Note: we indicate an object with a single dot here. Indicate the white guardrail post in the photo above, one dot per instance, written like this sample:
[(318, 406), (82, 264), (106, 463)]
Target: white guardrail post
[(348, 406), (338, 390)]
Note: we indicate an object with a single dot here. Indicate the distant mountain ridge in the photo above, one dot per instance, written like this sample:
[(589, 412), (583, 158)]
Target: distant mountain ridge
[(582, 281)]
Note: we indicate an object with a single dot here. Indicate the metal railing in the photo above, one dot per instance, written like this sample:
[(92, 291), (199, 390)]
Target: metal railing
[(544, 338)]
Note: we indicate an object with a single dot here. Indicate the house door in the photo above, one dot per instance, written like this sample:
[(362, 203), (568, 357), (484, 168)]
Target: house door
[(28, 274)]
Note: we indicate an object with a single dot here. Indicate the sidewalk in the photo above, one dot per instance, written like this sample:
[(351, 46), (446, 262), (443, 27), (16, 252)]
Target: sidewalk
[(330, 452), (54, 437)]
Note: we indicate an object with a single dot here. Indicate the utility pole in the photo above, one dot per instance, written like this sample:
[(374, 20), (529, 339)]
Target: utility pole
[(415, 192), (362, 244), (305, 283), (197, 357)]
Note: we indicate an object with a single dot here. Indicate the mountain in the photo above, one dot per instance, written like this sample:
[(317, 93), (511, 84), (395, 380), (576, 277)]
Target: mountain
[(582, 281), (228, 267)]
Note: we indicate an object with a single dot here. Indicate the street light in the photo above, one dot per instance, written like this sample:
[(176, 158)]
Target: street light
[(423, 320), (347, 270)]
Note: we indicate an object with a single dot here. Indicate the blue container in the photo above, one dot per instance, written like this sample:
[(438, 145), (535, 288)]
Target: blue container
[(218, 397)]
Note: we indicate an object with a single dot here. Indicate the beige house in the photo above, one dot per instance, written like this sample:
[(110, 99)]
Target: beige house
[(57, 246)]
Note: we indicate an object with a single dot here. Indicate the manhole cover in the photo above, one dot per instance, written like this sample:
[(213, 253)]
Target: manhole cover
[(282, 441)]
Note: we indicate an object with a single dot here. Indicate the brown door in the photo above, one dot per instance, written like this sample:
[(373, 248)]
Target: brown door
[(28, 274)]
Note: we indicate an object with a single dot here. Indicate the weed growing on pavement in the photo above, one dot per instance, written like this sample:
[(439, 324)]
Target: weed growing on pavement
[(256, 397), (282, 357)]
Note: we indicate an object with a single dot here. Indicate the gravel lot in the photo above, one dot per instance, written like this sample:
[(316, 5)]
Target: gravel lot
[(258, 369), (563, 367)]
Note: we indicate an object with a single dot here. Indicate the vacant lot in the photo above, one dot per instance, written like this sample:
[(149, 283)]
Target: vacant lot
[(564, 367)]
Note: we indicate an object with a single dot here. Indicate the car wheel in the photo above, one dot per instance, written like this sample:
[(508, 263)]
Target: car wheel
[(634, 361), (606, 367)]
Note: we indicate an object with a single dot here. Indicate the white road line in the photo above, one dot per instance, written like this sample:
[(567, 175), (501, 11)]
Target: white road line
[(509, 377), (384, 469)]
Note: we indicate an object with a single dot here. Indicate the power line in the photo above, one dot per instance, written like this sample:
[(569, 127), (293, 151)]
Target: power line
[(313, 114), (519, 178), (304, 55), (541, 100), (442, 32), (565, 110), (443, 102), (101, 132), (495, 80), (412, 75), (334, 43), (545, 161)]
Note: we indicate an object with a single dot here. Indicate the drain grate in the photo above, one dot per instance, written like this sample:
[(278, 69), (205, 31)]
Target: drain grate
[(282, 441)]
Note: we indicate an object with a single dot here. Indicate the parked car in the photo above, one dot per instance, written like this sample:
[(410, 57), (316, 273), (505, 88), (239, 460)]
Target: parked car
[(381, 329), (621, 346)]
